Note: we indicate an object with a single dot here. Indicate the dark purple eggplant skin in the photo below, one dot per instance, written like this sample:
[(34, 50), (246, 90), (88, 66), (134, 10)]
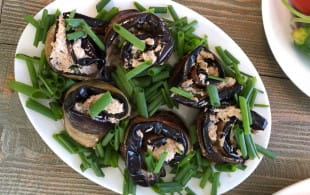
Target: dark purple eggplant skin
[(165, 125), (85, 123), (186, 69), (258, 121), (212, 151), (143, 24)]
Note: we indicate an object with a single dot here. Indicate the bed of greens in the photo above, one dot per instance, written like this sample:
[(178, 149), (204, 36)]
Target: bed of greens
[(116, 81)]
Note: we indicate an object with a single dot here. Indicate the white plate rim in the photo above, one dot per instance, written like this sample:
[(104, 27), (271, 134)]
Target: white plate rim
[(58, 150)]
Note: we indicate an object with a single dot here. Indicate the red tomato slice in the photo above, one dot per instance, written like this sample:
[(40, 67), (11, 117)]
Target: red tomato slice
[(302, 5)]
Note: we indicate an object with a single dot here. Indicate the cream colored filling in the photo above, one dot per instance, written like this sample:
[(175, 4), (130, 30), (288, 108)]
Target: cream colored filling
[(211, 70), (146, 55), (114, 107), (60, 56), (171, 147)]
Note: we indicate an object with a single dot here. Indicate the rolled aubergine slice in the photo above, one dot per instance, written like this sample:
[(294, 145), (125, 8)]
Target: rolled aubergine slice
[(148, 28), (216, 136), (164, 132), (192, 73), (78, 122), (79, 59)]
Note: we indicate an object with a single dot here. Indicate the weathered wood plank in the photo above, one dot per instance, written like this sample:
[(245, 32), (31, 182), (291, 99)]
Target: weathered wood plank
[(240, 19)]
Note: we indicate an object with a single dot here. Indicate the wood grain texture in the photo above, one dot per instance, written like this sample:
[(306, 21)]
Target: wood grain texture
[(28, 166)]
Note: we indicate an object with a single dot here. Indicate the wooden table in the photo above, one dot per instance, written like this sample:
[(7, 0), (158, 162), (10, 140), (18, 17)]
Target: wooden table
[(28, 166)]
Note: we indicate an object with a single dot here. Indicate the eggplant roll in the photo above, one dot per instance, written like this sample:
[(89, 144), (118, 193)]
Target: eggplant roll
[(164, 132), (78, 122), (192, 73), (215, 133), (147, 27), (79, 59)]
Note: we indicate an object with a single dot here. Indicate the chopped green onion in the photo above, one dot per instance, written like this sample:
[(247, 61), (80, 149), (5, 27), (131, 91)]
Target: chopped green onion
[(122, 83), (49, 89), (213, 95), (189, 26), (40, 108), (239, 135), (156, 70), (180, 43), (107, 138), (187, 177), (35, 60), (155, 105), (139, 6), (140, 68), (250, 146), (30, 19), (110, 14), (245, 115), (38, 36), (75, 35), (253, 98), (215, 183), (100, 104), (161, 76), (182, 92), (101, 14), (261, 105), (167, 98), (159, 10), (223, 56), (233, 59), (189, 191), (238, 75), (160, 162), (187, 158), (123, 32), (129, 188), (97, 170), (226, 167), (249, 86), (26, 89), (216, 78), (85, 162), (64, 143), (32, 74), (169, 187), (87, 29), (173, 13), (101, 4), (44, 24), (143, 82), (182, 172), (205, 177), (99, 149), (56, 109), (149, 161), (141, 102), (265, 152), (153, 88)]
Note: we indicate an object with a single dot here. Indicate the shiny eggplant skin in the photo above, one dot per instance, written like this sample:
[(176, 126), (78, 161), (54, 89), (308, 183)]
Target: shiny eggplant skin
[(95, 55), (142, 24), (161, 126), (84, 124), (210, 149), (189, 69)]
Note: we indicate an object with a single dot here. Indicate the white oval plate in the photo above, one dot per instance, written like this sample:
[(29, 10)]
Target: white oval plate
[(113, 178), (277, 24)]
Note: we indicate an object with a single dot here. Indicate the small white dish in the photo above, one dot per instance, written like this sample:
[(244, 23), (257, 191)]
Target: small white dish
[(277, 24), (299, 188), (113, 178)]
